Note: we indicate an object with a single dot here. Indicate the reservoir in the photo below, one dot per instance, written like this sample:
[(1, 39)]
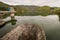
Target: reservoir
[(50, 24)]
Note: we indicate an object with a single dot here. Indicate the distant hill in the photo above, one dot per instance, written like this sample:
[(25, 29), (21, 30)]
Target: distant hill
[(3, 6), (31, 10), (26, 10)]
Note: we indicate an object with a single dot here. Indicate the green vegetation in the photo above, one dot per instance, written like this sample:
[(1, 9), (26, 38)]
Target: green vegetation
[(36, 10), (3, 6), (25, 10)]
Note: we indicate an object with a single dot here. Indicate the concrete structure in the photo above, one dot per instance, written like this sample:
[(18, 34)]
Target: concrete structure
[(11, 11)]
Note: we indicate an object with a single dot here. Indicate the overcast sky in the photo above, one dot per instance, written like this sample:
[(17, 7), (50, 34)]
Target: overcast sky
[(33, 2)]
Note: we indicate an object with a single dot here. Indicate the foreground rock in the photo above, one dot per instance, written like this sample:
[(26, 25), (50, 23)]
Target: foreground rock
[(27, 31)]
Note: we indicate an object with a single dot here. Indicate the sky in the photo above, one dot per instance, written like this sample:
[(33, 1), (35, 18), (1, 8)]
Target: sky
[(53, 3)]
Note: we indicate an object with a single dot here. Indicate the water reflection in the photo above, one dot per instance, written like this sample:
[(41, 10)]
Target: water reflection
[(5, 28), (13, 22), (50, 24), (59, 17), (2, 25)]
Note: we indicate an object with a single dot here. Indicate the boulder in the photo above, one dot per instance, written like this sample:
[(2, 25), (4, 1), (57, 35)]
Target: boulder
[(26, 31)]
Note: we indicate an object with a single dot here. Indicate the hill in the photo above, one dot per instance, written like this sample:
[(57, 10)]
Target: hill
[(3, 6), (31, 10)]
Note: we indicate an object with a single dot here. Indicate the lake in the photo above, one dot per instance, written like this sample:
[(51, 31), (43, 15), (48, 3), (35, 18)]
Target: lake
[(50, 23)]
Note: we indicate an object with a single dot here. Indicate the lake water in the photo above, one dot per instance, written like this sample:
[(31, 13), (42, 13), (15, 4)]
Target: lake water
[(51, 25)]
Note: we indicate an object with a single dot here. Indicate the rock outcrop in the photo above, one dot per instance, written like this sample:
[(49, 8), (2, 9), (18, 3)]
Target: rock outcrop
[(27, 31)]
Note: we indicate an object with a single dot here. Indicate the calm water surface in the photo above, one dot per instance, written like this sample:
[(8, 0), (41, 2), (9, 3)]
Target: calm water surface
[(51, 25)]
